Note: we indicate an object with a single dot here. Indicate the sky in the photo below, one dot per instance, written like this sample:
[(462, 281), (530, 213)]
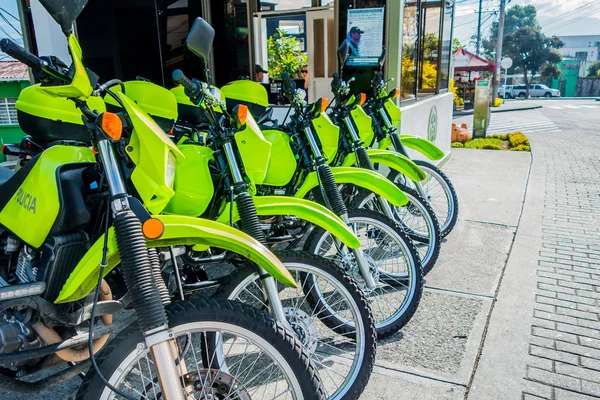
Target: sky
[(556, 17), (9, 6)]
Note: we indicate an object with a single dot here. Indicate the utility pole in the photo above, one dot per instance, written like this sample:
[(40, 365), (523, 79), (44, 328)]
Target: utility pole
[(479, 27), (496, 80)]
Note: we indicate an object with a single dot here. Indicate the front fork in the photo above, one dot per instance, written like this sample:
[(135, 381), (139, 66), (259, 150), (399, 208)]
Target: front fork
[(364, 161), (140, 280), (251, 225), (335, 202), (399, 147)]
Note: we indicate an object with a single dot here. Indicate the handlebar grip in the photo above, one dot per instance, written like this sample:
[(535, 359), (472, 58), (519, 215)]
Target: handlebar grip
[(336, 78), (19, 53), (287, 84), (179, 77)]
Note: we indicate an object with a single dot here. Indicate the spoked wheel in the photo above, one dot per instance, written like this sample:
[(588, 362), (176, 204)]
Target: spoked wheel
[(440, 194), (338, 332), (263, 359), (418, 220), (394, 265)]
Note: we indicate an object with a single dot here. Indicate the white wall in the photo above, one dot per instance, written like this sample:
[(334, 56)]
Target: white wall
[(415, 121)]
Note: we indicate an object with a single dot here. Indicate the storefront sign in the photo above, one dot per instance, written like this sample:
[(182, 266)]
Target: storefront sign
[(365, 35), (433, 124)]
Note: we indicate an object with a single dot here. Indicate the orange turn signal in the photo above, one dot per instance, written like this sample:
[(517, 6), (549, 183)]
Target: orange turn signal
[(242, 113), (153, 228), (395, 93), (324, 104), (361, 99), (112, 125)]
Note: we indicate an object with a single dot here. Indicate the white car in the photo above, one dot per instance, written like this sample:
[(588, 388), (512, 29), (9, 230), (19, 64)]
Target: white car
[(505, 89), (535, 91)]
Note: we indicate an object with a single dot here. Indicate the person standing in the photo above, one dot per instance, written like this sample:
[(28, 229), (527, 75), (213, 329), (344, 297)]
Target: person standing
[(259, 73)]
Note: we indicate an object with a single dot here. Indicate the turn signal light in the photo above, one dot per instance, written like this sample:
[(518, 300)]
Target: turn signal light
[(324, 104), (242, 113), (112, 125), (153, 228), (361, 99), (395, 93)]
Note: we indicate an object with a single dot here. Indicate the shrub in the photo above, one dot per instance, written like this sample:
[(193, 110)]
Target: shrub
[(479, 143), (457, 145), (499, 136), (521, 147), (517, 139), (491, 146)]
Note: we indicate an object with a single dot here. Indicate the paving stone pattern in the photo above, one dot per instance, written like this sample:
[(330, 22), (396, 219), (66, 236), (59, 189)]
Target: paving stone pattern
[(565, 334)]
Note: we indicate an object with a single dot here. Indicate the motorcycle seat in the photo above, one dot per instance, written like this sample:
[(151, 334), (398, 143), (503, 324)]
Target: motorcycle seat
[(5, 174)]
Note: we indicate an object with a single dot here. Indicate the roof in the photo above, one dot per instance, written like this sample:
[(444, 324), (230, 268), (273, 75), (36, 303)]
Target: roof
[(13, 71), (464, 60)]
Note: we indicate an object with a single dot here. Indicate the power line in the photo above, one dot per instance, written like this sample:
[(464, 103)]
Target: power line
[(6, 12), (11, 25), (570, 14)]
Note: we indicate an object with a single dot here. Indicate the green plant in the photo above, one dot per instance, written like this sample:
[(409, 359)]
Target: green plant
[(491, 146), (487, 143), (517, 139), (457, 145), (594, 70), (499, 136), (284, 55), (521, 147)]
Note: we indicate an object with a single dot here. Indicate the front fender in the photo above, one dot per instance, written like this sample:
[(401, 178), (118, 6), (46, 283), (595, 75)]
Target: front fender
[(364, 178), (423, 146), (391, 159), (179, 230), (303, 209)]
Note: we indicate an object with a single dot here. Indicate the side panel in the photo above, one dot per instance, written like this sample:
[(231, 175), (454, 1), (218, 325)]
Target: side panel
[(363, 178), (423, 146), (282, 163), (303, 209), (364, 125), (34, 207), (193, 185), (255, 151), (179, 230), (394, 112), (393, 160), (329, 135)]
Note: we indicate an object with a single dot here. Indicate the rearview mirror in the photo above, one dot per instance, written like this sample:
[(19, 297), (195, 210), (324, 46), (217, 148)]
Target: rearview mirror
[(382, 57), (64, 12), (200, 39), (343, 51)]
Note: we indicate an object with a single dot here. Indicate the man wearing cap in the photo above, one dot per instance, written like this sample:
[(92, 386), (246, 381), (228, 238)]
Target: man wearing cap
[(355, 41), (259, 71)]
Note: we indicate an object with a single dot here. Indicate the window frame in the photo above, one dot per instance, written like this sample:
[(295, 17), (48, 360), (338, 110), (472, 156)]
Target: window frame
[(5, 108)]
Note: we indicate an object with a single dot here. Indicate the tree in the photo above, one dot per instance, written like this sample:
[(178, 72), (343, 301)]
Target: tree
[(550, 71), (284, 55), (525, 43), (456, 45), (594, 70)]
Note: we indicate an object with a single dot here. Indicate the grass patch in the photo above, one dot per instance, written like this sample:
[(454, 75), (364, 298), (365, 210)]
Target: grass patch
[(457, 145), (516, 141)]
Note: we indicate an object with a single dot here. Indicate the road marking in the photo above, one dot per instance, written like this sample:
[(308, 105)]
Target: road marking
[(567, 106), (556, 108)]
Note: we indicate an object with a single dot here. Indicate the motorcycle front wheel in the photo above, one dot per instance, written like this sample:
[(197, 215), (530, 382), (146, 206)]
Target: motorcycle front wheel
[(264, 360)]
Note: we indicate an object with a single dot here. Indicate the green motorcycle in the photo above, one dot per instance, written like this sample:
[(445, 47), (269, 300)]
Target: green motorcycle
[(436, 188), (417, 218), (386, 266), (225, 157), (72, 213)]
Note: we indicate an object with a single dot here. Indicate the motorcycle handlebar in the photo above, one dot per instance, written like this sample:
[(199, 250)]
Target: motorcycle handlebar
[(287, 84), (192, 87), (19, 53)]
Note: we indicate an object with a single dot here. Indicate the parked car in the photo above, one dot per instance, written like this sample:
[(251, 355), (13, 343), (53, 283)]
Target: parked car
[(535, 91), (505, 89)]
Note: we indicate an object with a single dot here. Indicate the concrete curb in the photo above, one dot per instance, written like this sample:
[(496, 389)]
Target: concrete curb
[(499, 110)]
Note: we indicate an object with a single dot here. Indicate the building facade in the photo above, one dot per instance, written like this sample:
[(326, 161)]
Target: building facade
[(127, 39), (14, 77)]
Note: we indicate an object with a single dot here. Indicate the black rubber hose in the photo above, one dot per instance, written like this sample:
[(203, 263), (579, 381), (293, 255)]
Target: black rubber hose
[(332, 193), (137, 272), (364, 161), (249, 218)]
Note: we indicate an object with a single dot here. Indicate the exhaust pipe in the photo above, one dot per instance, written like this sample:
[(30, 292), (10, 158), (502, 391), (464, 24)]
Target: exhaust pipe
[(24, 290)]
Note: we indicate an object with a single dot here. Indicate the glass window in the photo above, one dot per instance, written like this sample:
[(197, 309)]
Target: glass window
[(410, 34), (8, 112), (429, 63), (279, 5), (446, 44)]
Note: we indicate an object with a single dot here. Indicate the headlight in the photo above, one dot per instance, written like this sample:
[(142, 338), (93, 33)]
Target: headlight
[(171, 164)]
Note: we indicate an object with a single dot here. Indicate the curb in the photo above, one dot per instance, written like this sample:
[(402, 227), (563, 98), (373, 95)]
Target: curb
[(470, 112)]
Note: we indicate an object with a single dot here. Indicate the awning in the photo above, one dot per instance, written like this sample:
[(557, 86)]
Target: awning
[(465, 61)]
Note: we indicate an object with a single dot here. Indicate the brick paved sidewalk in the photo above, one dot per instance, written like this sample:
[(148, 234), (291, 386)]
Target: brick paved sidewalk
[(565, 334)]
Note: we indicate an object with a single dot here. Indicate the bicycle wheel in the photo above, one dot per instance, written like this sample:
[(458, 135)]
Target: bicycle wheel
[(264, 360), (395, 266), (440, 194), (418, 220), (338, 333)]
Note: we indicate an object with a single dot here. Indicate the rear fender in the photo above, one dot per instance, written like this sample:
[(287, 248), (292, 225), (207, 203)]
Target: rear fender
[(363, 178), (179, 230), (391, 159), (303, 209), (423, 146)]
